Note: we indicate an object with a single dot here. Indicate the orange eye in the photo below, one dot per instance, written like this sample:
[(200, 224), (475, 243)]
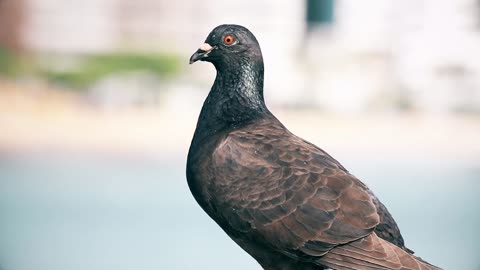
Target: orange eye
[(228, 40)]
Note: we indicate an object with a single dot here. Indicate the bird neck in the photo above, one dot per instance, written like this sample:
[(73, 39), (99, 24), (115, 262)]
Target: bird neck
[(236, 98), (237, 94)]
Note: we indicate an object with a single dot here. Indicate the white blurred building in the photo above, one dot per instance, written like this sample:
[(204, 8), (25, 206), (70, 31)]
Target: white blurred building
[(365, 55)]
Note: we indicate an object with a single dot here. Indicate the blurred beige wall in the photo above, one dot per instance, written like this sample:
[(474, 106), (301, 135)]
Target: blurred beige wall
[(377, 54)]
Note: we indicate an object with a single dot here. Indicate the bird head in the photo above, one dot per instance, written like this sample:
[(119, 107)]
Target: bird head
[(228, 44)]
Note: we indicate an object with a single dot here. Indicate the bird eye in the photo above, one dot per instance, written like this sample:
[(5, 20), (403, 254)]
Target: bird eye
[(228, 40)]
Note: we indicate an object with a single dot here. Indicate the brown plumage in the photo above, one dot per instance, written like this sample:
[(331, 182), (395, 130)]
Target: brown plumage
[(285, 201)]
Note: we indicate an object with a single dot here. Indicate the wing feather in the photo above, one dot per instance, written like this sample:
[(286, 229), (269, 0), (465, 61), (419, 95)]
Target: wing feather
[(371, 253), (292, 197), (289, 192)]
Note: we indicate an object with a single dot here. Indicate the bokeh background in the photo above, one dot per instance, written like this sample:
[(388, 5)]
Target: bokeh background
[(98, 106)]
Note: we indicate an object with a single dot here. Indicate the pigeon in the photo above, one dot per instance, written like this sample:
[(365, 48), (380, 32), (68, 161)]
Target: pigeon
[(285, 201)]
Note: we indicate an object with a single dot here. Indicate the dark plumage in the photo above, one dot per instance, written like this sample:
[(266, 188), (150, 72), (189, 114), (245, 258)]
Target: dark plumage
[(285, 201)]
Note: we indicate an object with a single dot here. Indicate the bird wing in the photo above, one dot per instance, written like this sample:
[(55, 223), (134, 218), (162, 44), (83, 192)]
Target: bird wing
[(291, 196), (289, 193)]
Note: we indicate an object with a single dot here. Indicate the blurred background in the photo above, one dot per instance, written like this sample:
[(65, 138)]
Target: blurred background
[(98, 106)]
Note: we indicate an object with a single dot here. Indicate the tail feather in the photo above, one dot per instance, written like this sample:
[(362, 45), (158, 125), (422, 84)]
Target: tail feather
[(372, 253)]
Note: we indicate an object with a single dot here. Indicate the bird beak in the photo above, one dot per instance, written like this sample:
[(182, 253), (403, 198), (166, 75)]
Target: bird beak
[(201, 53)]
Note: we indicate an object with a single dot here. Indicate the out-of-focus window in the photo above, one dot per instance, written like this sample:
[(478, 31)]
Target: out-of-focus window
[(320, 12)]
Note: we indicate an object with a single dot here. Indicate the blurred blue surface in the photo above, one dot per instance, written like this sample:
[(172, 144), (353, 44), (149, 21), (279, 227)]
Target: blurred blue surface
[(91, 213)]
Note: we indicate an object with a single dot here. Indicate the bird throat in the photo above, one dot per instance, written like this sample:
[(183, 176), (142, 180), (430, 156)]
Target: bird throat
[(236, 97)]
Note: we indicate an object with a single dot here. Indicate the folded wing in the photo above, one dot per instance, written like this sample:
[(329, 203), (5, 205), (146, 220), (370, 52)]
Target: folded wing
[(296, 199)]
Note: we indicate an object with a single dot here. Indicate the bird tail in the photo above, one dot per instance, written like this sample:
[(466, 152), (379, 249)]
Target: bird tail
[(372, 253)]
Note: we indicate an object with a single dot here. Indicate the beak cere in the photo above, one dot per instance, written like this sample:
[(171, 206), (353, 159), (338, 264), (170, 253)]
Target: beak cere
[(201, 53), (206, 47)]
